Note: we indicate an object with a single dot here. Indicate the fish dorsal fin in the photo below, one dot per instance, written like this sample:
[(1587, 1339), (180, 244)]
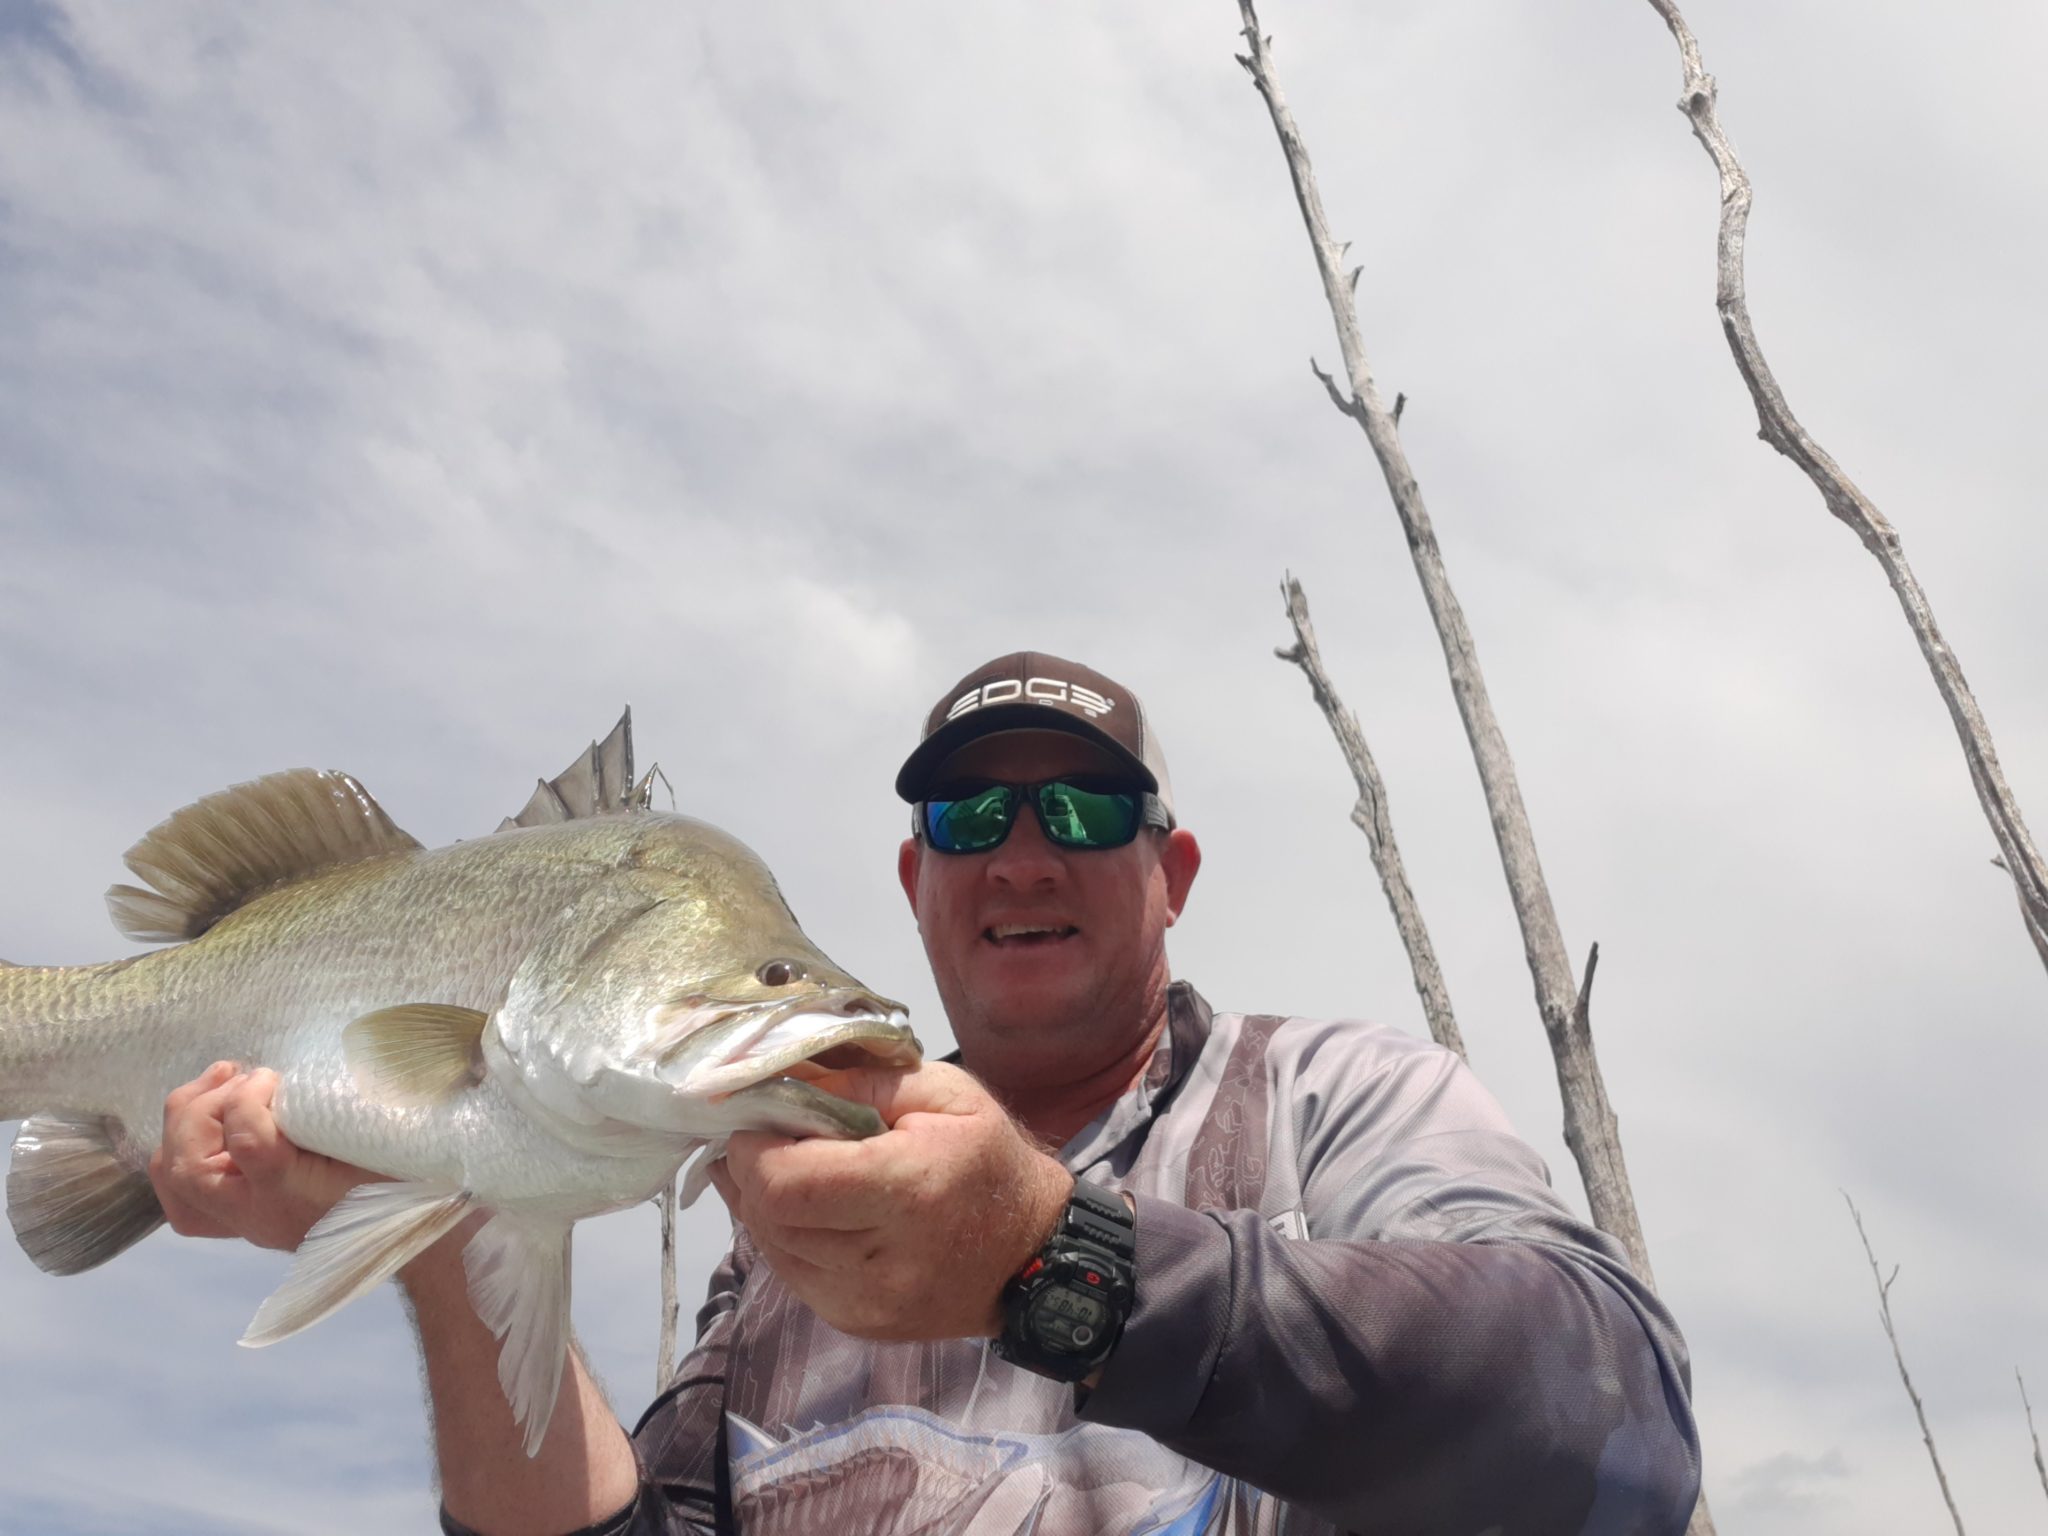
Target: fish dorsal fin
[(416, 1054), (599, 783), (230, 848)]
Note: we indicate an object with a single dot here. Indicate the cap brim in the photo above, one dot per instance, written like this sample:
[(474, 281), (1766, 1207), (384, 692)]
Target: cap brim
[(915, 776)]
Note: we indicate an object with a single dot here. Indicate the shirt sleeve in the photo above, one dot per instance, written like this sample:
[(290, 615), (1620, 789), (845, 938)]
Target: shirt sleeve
[(676, 1440), (1448, 1350)]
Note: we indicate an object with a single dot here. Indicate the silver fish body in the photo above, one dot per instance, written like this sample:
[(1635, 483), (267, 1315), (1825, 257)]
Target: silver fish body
[(543, 1024)]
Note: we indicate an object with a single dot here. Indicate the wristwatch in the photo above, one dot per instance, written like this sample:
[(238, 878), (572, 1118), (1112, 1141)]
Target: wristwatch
[(1064, 1311)]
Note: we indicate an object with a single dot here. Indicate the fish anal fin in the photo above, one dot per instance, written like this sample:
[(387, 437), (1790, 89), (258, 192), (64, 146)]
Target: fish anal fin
[(224, 851), (374, 1232), (416, 1054), (598, 783), (78, 1192), (519, 1284)]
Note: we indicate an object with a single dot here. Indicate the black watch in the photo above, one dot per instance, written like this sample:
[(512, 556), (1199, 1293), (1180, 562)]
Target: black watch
[(1065, 1310)]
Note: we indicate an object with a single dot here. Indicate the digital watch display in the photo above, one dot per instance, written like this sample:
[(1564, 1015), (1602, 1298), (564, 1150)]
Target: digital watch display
[(1065, 1310)]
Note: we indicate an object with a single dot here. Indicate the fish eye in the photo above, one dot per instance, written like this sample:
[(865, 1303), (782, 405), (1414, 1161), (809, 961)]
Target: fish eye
[(780, 973)]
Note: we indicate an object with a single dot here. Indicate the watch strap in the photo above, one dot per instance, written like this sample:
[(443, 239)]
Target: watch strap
[(1098, 1215)]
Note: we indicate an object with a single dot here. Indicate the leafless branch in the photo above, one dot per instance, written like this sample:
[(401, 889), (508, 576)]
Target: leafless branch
[(1372, 818), (1783, 432), (1884, 1313), (665, 1357), (2040, 1466), (1589, 1124)]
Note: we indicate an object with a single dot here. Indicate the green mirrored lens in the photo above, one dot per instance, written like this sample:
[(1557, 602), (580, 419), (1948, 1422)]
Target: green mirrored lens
[(979, 820), (1087, 818)]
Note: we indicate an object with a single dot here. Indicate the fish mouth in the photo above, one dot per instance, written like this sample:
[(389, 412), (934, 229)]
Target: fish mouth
[(723, 1049)]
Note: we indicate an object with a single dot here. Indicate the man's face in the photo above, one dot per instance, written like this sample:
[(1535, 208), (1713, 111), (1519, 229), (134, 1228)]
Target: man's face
[(1048, 959)]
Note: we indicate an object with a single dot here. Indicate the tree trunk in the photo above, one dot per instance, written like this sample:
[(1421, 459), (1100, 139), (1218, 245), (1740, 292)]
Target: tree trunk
[(1371, 816), (1781, 429), (1590, 1128)]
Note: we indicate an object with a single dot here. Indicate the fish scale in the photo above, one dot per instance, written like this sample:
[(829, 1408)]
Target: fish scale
[(541, 1024)]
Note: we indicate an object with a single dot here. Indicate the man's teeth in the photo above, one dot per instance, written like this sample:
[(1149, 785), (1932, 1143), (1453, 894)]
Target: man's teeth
[(1003, 931)]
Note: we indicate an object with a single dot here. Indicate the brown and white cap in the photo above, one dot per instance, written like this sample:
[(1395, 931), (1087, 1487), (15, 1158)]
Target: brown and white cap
[(1031, 691)]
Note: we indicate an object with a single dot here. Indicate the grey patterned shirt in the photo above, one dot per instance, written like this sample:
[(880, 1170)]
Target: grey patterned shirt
[(1360, 1308)]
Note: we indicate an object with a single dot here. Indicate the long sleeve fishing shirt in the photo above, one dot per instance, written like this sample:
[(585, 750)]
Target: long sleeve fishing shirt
[(1360, 1308)]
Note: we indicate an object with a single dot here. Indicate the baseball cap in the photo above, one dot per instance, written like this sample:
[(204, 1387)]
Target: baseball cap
[(1032, 691)]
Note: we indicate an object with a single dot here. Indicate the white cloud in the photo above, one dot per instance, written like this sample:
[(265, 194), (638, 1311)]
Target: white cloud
[(404, 393)]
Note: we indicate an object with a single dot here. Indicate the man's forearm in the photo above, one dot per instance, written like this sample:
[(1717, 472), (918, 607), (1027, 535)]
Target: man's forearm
[(1403, 1385), (585, 1470)]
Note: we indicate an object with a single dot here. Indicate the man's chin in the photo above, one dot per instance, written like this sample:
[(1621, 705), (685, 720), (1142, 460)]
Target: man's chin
[(1028, 999)]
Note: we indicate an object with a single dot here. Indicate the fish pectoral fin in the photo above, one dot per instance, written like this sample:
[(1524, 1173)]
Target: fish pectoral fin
[(78, 1192), (230, 848), (519, 1284), (374, 1231), (416, 1054)]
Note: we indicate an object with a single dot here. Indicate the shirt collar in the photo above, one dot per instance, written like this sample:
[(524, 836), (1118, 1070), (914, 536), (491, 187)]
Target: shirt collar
[(1188, 1019)]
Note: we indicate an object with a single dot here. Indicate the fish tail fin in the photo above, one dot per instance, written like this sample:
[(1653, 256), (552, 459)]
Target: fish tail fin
[(373, 1232), (78, 1192), (519, 1284)]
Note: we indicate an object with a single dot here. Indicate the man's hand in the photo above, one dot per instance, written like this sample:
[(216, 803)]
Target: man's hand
[(910, 1234), (225, 1170)]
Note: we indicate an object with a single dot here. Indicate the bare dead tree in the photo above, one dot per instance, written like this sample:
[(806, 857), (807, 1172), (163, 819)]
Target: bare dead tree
[(665, 1353), (1781, 429), (2040, 1466), (1371, 816), (1590, 1129), (1884, 1314)]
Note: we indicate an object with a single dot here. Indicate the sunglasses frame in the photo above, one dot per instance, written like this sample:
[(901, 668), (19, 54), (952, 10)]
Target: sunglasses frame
[(1152, 811)]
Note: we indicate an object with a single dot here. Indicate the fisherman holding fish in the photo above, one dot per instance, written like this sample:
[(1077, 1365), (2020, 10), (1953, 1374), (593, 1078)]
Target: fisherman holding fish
[(1130, 1264)]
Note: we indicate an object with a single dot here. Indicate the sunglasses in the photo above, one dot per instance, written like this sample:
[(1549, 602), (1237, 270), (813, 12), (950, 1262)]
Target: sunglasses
[(1074, 813)]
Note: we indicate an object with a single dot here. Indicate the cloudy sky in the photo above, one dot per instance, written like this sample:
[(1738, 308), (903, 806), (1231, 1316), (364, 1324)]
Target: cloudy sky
[(404, 393)]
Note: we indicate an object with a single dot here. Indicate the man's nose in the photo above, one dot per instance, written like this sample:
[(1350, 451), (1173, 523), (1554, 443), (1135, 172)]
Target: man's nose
[(1026, 857)]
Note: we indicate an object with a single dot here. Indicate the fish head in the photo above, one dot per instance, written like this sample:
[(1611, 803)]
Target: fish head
[(688, 983)]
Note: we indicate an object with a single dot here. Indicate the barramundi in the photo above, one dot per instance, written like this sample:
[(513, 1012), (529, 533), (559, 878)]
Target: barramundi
[(531, 1027)]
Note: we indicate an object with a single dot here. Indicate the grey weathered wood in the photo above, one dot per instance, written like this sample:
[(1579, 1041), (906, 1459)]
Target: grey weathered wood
[(665, 1354), (1371, 816), (1781, 429), (1590, 1128), (1884, 1315)]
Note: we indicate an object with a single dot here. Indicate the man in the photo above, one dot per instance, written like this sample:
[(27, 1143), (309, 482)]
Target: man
[(1279, 1275)]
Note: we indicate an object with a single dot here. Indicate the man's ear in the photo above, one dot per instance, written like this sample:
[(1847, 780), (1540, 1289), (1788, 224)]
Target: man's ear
[(908, 858), (1180, 859)]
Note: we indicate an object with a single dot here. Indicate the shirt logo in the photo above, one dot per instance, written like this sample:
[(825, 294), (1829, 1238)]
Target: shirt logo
[(1038, 690)]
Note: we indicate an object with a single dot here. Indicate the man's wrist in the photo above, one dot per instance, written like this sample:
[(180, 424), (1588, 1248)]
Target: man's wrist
[(1046, 1204)]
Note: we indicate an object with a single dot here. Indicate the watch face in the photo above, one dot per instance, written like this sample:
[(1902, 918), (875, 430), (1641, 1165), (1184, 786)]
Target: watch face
[(1071, 1321)]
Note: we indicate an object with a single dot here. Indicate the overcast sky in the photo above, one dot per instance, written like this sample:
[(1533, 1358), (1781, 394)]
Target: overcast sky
[(404, 394)]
